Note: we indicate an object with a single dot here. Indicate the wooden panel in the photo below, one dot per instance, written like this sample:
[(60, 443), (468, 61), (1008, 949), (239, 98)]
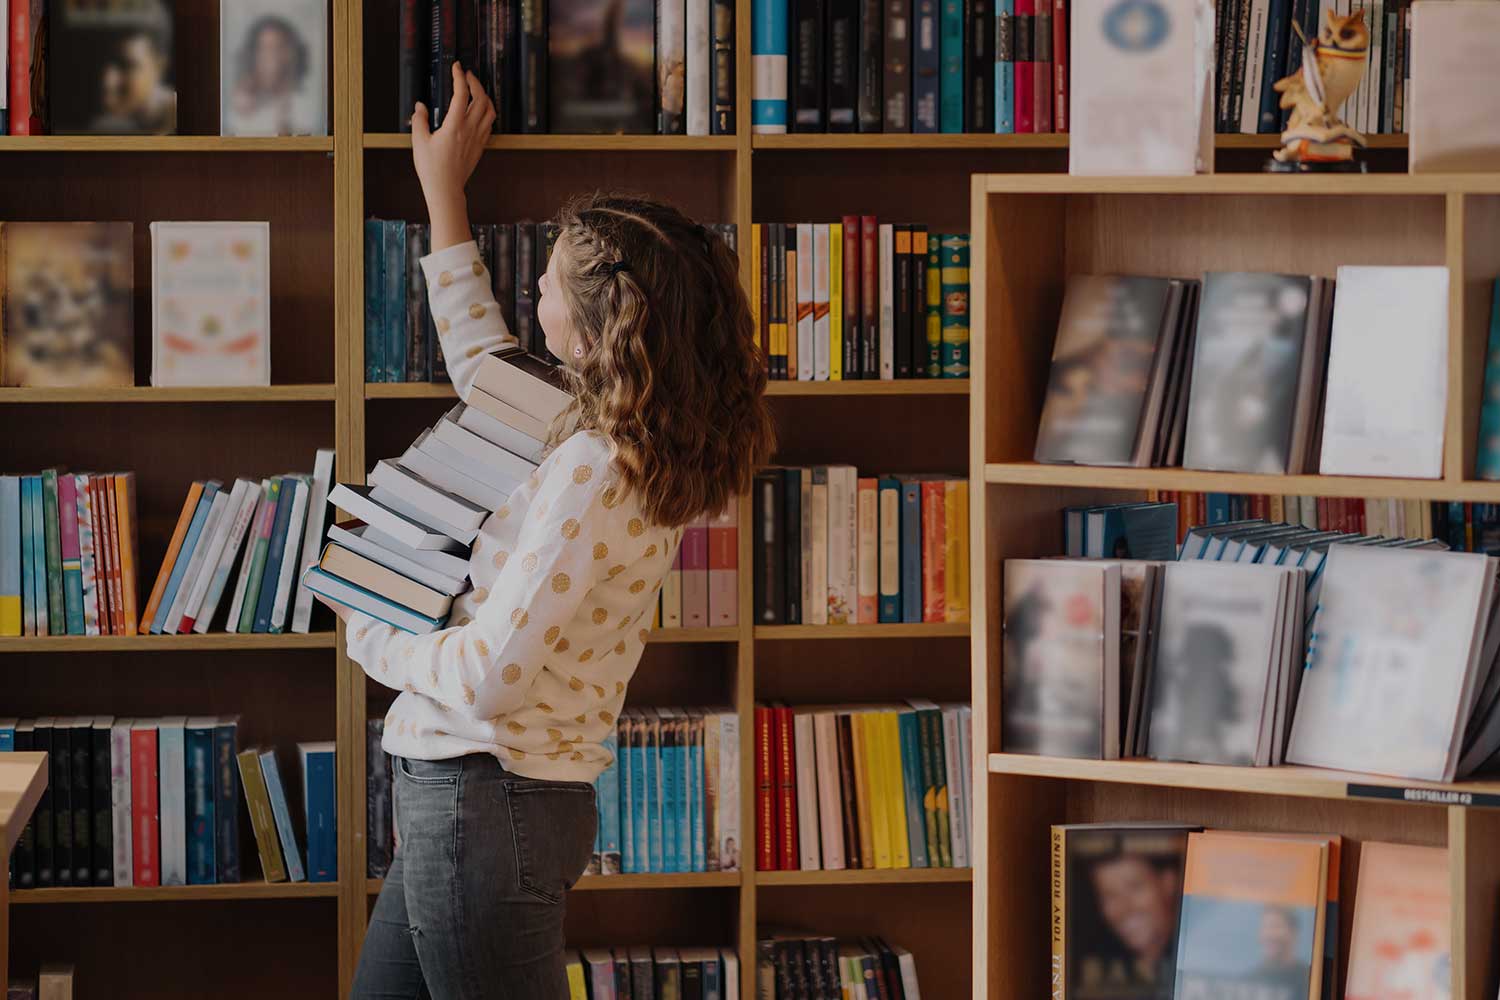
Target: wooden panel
[(1475, 881), (862, 670), (1475, 275), (697, 917), (875, 434)]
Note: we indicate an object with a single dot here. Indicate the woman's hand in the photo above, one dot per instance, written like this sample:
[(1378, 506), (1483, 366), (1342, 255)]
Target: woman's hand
[(342, 610), (446, 158)]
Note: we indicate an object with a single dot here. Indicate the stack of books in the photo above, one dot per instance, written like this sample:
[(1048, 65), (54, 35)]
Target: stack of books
[(789, 965), (863, 787), (834, 548), (407, 556), (273, 526), (68, 554), (53, 981), (654, 973), (860, 299), (156, 801)]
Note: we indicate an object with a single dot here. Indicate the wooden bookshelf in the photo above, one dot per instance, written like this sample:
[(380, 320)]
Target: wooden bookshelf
[(1030, 233)]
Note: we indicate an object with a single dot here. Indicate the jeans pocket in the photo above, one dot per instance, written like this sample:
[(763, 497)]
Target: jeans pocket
[(429, 772), (553, 825)]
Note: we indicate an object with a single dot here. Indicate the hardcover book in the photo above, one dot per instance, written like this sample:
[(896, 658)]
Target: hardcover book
[(1455, 81), (210, 303), (111, 69), (273, 67), (1400, 945), (601, 61)]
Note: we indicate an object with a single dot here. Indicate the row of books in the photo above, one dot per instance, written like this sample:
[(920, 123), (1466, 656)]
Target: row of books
[(1221, 913), (401, 342), (859, 299), (1257, 43), (834, 548), (884, 786), (67, 554), (53, 981), (406, 556), (273, 69), (702, 589), (923, 66), (273, 527), (654, 973), (1247, 372), (792, 966), (210, 304), (1385, 516), (148, 802)]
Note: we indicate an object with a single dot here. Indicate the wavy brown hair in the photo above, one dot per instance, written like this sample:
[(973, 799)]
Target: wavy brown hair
[(670, 371)]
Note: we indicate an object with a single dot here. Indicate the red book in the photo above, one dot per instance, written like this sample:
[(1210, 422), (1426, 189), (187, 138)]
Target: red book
[(694, 552), (1200, 508), (934, 518), (869, 299), (1259, 507), (1059, 65), (19, 37), (852, 354), (1025, 19), (765, 797), (1357, 506), (144, 820), (786, 791)]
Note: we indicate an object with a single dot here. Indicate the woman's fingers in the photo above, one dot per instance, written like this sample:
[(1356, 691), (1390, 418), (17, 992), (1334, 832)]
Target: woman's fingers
[(420, 128), (460, 102)]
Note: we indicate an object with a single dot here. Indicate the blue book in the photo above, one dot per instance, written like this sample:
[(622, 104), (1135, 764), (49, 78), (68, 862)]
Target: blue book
[(39, 553), (911, 786), (682, 819), (671, 784), (7, 735), (911, 550), (626, 803), (282, 524), (226, 799), (1131, 531), (951, 85), (926, 67), (321, 582), (393, 300), (1218, 508), (198, 736), (1005, 55), (768, 60), (639, 799), (27, 557), (185, 554), (1488, 461), (276, 792), (609, 809), (713, 988), (695, 787), (319, 808), (654, 805), (1278, 16), (374, 296), (888, 519)]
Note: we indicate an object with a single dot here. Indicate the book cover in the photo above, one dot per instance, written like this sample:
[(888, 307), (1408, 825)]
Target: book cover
[(111, 68), (319, 810), (601, 57), (202, 828), (122, 852), (57, 616), (68, 290), (273, 68), (807, 77), (226, 799), (954, 275), (1447, 56), (210, 303), (1400, 943), (144, 803), (262, 824), (171, 752), (282, 814)]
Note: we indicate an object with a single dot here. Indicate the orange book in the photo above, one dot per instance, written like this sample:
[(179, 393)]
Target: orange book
[(934, 554), (125, 514), (106, 487), (1400, 943), (789, 310), (183, 520), (1253, 917), (109, 608)]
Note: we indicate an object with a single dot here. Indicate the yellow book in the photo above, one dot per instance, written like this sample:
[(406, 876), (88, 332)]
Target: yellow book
[(755, 291), (258, 803), (577, 988), (934, 309), (895, 793), (861, 791), (956, 549), (874, 752), (835, 302), (124, 484), (11, 534)]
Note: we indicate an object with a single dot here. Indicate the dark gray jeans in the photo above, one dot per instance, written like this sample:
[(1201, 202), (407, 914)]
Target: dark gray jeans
[(472, 906)]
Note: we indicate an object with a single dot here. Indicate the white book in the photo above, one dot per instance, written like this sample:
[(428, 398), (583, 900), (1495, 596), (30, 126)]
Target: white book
[(822, 321), (231, 623), (501, 412), (119, 801), (357, 500), (312, 535), (808, 836), (289, 570), (1372, 81), (455, 482), (728, 806), (394, 501), (671, 595), (1255, 68), (815, 604), (213, 555), (515, 441), (956, 765), (731, 982), (440, 451), (411, 563), (300, 105), (172, 798), (886, 265), (428, 497), (521, 380), (843, 545), (966, 746), (1452, 104), (485, 452), (830, 816), (210, 303), (239, 527), (699, 97), (804, 317), (1387, 373), (202, 552), (805, 536), (1146, 108), (908, 966), (868, 543)]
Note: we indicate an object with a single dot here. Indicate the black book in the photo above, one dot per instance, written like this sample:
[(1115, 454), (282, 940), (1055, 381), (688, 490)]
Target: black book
[(378, 840), (916, 266), (805, 74), (785, 977), (926, 67), (901, 298), (764, 291), (411, 60), (828, 956), (765, 534), (546, 239), (791, 535), (417, 342), (467, 36), (979, 66), (1223, 44), (871, 65), (891, 966), (85, 42), (103, 834), (525, 329), (227, 800), (442, 49), (802, 972), (848, 808), (61, 777), (503, 275), (23, 859), (898, 53), (843, 64), (485, 23), (721, 69), (505, 31), (1237, 73), (532, 85), (692, 981)]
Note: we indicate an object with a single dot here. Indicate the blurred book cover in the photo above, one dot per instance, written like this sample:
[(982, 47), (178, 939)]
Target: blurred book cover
[(68, 317), (602, 57), (1062, 626), (111, 68), (1400, 943), (273, 67), (210, 303), (1252, 917), (1122, 901), (1245, 364)]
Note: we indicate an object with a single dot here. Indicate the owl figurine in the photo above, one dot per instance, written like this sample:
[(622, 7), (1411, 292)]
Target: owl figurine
[(1331, 69)]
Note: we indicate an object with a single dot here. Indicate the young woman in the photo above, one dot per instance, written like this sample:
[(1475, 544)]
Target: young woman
[(499, 728)]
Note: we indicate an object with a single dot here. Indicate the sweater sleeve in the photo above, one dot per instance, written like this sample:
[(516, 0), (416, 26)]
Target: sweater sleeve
[(464, 311), (484, 669)]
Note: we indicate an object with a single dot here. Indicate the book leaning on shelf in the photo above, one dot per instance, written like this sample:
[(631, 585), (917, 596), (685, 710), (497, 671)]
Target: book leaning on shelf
[(791, 964), (406, 556), (621, 973)]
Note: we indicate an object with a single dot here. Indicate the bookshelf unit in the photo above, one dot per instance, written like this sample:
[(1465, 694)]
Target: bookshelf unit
[(1030, 233)]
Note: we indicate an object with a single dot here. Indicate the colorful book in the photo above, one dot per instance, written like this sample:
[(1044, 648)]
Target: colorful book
[(282, 814)]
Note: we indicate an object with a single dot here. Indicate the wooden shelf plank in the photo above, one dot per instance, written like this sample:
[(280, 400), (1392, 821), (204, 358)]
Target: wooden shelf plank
[(917, 630), (1401, 185), (867, 876), (123, 643), (1294, 780), (410, 390), (1100, 477), (165, 144), (608, 883), (174, 394), (176, 893), (872, 387), (579, 143), (722, 633), (1236, 141)]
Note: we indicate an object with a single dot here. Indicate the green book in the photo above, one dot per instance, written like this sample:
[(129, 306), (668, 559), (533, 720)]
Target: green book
[(955, 279), (257, 566), (57, 613)]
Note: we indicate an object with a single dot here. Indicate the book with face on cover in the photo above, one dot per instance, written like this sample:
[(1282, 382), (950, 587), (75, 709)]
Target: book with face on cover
[(210, 303), (273, 67), (111, 67), (1401, 943)]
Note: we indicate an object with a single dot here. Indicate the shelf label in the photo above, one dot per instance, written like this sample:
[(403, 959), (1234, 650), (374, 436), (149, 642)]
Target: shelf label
[(1425, 796)]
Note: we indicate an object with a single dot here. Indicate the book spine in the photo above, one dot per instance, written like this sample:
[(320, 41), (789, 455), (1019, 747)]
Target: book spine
[(980, 67), (723, 567), (806, 530), (897, 87), (121, 852), (393, 300), (831, 268), (1005, 55), (786, 788), (1041, 66), (22, 110), (61, 777), (789, 304), (864, 821), (226, 805), (695, 570), (955, 295), (72, 567), (654, 819), (145, 825), (901, 299), (853, 356), (57, 615), (532, 53), (1060, 66), (722, 69), (806, 345), (105, 503), (958, 829), (956, 550), (413, 313), (766, 540), (83, 803), (830, 827), (126, 542), (442, 51), (768, 61), (911, 788), (411, 63), (931, 767), (1269, 111), (869, 285), (885, 261), (1245, 11), (927, 68), (729, 800), (765, 793), (911, 551), (889, 544), (202, 867), (934, 519), (698, 861), (791, 536), (809, 853), (671, 71), (868, 552), (318, 804), (281, 813), (843, 546), (1024, 25), (821, 265), (261, 822), (843, 65), (375, 300), (951, 85), (870, 104), (466, 35), (805, 71), (171, 780), (10, 554), (275, 550)]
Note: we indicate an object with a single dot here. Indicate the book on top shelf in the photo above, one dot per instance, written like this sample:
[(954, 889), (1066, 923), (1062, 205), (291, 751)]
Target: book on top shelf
[(1455, 81), (273, 67), (210, 303), (601, 57), (110, 69)]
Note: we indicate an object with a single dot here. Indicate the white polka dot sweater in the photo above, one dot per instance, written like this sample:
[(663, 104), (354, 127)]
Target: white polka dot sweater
[(534, 665)]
